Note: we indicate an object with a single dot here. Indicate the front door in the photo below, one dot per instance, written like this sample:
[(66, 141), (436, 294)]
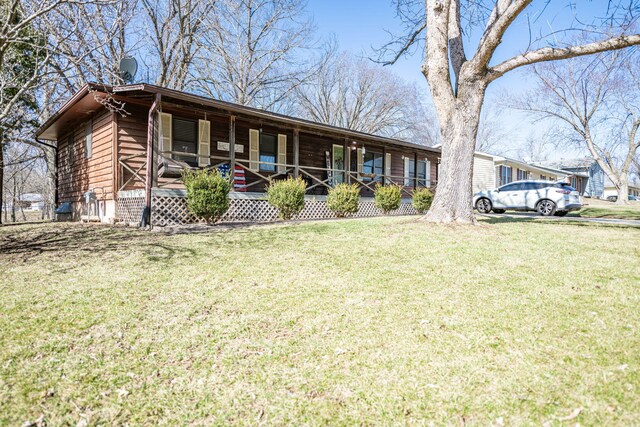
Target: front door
[(338, 164)]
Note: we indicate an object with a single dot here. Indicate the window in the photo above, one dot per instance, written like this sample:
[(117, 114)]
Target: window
[(185, 139), (422, 173), (522, 175), (268, 151), (372, 165), (505, 175), (512, 187), (543, 178)]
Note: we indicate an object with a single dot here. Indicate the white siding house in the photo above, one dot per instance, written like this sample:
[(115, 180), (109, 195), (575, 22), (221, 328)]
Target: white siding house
[(484, 177)]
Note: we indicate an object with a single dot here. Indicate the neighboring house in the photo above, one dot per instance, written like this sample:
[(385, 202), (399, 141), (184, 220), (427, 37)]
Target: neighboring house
[(31, 202), (491, 171), (108, 154), (593, 177)]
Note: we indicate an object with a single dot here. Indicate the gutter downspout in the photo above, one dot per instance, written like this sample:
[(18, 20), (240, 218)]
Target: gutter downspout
[(146, 213)]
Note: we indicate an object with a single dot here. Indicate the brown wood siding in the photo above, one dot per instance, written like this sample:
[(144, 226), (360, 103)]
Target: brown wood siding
[(76, 173), (132, 139)]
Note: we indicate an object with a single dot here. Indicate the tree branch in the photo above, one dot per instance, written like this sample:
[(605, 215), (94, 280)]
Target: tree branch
[(552, 54)]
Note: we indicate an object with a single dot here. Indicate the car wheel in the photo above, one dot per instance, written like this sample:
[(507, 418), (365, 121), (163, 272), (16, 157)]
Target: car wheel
[(483, 205), (499, 211), (546, 207), (561, 213)]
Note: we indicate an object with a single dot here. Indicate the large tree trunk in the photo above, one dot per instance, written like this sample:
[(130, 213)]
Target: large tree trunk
[(1, 180), (50, 195), (623, 191), (453, 197)]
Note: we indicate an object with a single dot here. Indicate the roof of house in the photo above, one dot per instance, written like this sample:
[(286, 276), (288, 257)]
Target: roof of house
[(31, 197), (577, 163), (83, 103)]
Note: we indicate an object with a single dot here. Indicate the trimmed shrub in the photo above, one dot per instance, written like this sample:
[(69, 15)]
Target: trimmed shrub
[(343, 199), (421, 199), (287, 196), (207, 193), (387, 197)]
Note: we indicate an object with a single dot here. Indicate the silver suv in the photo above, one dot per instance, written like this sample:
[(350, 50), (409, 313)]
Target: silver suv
[(545, 197)]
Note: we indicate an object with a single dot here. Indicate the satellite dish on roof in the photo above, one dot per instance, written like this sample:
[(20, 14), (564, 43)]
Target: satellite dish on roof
[(128, 68)]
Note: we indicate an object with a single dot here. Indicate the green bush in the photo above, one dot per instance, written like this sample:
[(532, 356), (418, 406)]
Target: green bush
[(343, 199), (207, 193), (421, 199), (287, 196), (387, 197)]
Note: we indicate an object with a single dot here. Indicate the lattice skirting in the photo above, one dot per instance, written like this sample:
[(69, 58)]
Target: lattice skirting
[(171, 210), (129, 206)]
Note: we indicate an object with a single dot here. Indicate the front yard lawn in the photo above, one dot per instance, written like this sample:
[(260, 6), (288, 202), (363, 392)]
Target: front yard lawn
[(630, 211), (369, 322)]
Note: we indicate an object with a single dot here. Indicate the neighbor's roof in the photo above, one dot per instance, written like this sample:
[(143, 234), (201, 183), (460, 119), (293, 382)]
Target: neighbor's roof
[(31, 197), (84, 103), (577, 163)]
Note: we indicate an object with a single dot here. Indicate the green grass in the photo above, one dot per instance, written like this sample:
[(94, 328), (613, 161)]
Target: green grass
[(631, 211), (370, 322)]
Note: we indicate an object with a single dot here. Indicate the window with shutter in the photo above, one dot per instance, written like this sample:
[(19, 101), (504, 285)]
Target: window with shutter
[(372, 165), (268, 152), (185, 140)]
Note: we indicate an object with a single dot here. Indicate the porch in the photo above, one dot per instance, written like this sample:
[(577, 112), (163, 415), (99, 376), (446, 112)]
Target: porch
[(254, 151)]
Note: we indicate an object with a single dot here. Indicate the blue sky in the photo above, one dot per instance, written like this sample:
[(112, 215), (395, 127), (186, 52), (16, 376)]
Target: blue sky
[(359, 26)]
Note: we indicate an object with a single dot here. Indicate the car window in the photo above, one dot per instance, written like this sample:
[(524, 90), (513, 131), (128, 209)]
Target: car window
[(510, 187), (542, 185), (564, 186), (532, 186)]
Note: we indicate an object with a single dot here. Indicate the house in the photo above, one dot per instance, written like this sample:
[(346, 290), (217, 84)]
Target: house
[(592, 177), (491, 171), (31, 202), (121, 151)]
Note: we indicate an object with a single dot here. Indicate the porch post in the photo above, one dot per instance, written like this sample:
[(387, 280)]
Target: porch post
[(415, 170), (151, 172), (232, 149), (296, 153)]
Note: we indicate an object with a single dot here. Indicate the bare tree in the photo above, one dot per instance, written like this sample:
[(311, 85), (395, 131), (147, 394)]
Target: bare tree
[(458, 83), (360, 95), (597, 100), (491, 131), (175, 28), (48, 48), (538, 148), (250, 52), (87, 42)]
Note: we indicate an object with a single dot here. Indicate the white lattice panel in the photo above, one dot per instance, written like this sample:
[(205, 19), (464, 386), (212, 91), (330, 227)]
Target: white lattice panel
[(129, 207), (168, 210)]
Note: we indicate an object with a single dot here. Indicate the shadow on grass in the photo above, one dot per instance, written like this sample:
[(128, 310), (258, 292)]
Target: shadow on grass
[(555, 221), (79, 239)]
